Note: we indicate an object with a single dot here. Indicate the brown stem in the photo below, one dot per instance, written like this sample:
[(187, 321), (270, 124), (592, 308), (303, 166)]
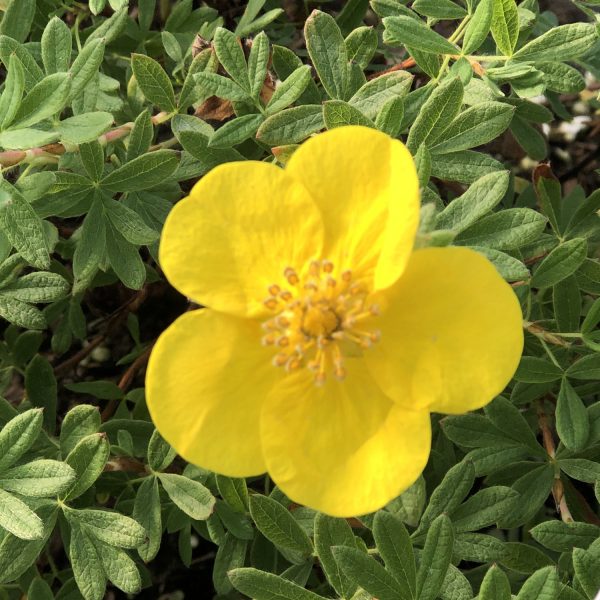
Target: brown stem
[(10, 158), (558, 491), (126, 380)]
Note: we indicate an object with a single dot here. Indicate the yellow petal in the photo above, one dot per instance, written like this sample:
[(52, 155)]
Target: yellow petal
[(366, 186), (242, 225), (205, 384), (451, 332), (342, 448)]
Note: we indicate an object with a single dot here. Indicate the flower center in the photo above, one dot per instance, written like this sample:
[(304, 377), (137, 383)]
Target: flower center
[(319, 319)]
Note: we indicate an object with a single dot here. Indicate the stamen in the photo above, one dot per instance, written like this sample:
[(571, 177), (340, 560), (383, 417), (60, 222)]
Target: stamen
[(315, 322)]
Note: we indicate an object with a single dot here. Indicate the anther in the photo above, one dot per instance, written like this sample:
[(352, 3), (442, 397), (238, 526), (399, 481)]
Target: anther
[(291, 276), (327, 266), (331, 282), (347, 276), (280, 359), (286, 296), (268, 340), (283, 341), (270, 303), (274, 289), (315, 268)]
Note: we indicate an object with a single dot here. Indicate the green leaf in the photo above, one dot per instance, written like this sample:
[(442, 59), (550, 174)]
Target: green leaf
[(234, 491), (466, 166), (277, 524), (483, 509), (143, 172), (395, 548), (435, 558), (537, 370), (47, 98), (231, 56), (86, 565), (572, 422), (478, 547), (160, 454), (476, 126), (505, 25), (124, 258), (389, 118), (563, 261), (38, 479), (439, 9), (258, 61), (581, 469), (26, 138), (196, 144), (108, 526), (190, 496), (147, 512), (230, 555), (561, 78), (31, 70), (505, 230), (361, 44), (81, 421), (85, 67), (17, 555), (563, 537), (267, 586), (291, 126), (111, 28), (337, 113), (374, 94), (436, 114), (236, 131), (213, 84), (129, 224), (106, 390), (507, 418), (87, 459), (330, 532), (37, 287), (18, 18), (406, 31), (91, 247), (92, 157), (479, 26), (561, 44), (14, 86), (542, 585), (327, 51), (366, 572), (567, 304), (509, 268), (154, 82), (524, 558), (477, 201), (534, 488), (56, 46), (141, 136), (41, 388), (18, 435), (119, 568), (586, 368), (448, 495), (23, 227), (21, 314), (287, 92), (585, 565), (17, 518), (84, 128), (495, 585), (39, 590), (529, 138)]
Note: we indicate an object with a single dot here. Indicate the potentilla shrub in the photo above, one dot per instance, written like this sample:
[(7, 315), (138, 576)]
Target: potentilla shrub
[(299, 305)]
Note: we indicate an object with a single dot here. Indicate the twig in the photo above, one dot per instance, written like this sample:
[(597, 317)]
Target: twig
[(558, 490), (126, 380), (11, 158)]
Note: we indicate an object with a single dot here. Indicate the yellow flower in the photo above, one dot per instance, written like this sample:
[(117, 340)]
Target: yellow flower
[(327, 340)]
